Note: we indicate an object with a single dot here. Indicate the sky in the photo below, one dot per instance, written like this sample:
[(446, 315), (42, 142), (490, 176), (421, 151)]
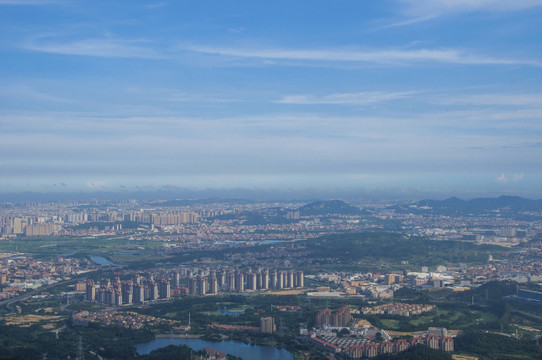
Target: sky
[(437, 95)]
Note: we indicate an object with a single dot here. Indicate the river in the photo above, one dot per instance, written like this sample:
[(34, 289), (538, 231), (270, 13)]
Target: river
[(237, 348)]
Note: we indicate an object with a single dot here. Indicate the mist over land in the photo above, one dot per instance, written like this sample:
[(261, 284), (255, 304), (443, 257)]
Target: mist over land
[(255, 194)]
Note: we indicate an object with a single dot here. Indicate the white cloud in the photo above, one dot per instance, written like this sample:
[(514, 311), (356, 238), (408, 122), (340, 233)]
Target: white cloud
[(361, 98), (96, 47), (505, 179), (440, 7), (391, 56)]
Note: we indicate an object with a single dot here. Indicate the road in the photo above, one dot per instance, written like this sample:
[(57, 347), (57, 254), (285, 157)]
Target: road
[(8, 303)]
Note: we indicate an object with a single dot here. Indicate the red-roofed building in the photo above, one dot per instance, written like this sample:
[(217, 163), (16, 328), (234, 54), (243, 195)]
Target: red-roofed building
[(386, 347), (401, 345), (371, 350), (355, 352), (416, 340), (447, 344), (213, 354), (432, 342)]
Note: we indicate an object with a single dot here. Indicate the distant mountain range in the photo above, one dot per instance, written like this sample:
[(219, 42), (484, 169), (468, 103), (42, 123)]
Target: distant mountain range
[(455, 205), (329, 207)]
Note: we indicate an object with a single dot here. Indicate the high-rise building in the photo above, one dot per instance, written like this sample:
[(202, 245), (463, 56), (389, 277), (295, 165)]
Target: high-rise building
[(139, 293), (447, 344), (401, 345), (126, 290), (268, 325), (202, 285), (192, 286), (90, 290), (265, 280), (290, 279), (164, 289), (213, 285), (371, 350), (118, 297), (432, 342), (386, 347), (176, 279), (273, 279), (341, 318), (240, 282), (231, 282), (300, 279), (127, 297), (222, 278), (252, 281), (153, 290)]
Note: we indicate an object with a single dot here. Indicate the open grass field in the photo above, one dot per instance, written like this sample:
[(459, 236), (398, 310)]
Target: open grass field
[(27, 320), (64, 244), (449, 318), (389, 323), (119, 249)]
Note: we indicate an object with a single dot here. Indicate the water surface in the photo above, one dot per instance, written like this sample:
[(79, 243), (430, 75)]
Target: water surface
[(100, 260), (237, 348)]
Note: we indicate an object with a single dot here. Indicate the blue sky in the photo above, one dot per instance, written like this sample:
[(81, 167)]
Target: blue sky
[(443, 95)]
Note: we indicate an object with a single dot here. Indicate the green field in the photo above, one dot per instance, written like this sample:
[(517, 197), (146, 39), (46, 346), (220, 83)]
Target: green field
[(119, 249), (458, 318)]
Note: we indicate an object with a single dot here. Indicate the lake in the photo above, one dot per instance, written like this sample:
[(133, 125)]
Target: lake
[(237, 348)]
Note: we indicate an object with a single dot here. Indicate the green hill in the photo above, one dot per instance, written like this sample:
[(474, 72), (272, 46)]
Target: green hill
[(330, 207)]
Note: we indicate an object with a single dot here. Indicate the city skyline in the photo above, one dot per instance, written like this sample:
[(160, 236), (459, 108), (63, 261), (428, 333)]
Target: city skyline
[(429, 96)]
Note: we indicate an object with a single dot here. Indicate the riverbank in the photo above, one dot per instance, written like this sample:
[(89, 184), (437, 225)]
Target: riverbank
[(177, 336)]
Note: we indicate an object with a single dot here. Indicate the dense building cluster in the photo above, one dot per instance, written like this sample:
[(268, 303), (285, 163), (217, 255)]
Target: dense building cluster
[(129, 320), (168, 218), (400, 309), (184, 282), (127, 292), (357, 348), (326, 318), (18, 273), (28, 226), (45, 225)]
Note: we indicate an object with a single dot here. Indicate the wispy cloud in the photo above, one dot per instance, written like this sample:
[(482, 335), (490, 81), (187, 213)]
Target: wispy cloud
[(360, 98), (440, 7), (408, 21), (390, 56), (23, 91), (423, 10), (27, 2), (97, 47), (496, 99), (185, 97), (156, 5)]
